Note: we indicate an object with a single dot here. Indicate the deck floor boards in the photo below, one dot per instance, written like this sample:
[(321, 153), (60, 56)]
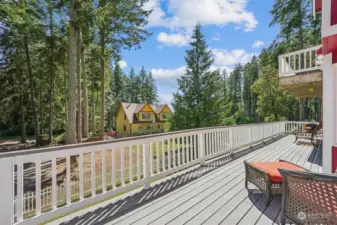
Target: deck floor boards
[(213, 194)]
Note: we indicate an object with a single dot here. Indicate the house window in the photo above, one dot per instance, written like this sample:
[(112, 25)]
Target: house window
[(124, 116), (146, 116), (124, 128), (164, 115)]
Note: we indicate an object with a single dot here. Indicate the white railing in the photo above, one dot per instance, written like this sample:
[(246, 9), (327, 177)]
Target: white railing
[(304, 60), (79, 175)]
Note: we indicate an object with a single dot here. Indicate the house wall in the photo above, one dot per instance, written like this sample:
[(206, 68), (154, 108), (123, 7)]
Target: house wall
[(165, 110), (121, 121), (145, 128), (146, 109)]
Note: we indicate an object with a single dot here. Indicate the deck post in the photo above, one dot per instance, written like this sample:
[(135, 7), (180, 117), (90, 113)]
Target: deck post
[(202, 148), (6, 193), (231, 140), (250, 136), (147, 164)]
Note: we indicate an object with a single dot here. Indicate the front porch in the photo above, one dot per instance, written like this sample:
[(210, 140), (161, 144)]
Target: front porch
[(212, 194)]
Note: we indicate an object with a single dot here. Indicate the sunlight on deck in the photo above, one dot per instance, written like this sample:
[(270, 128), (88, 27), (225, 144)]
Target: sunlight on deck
[(213, 194)]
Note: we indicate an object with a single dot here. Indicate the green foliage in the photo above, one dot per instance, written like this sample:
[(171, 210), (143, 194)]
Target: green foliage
[(199, 101)]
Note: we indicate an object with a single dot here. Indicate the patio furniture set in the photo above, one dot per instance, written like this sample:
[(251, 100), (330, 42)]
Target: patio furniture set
[(310, 131), (307, 198)]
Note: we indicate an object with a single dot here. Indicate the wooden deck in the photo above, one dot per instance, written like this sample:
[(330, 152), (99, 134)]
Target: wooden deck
[(213, 194)]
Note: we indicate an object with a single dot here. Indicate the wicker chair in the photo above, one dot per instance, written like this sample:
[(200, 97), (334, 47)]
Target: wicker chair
[(262, 180), (309, 198)]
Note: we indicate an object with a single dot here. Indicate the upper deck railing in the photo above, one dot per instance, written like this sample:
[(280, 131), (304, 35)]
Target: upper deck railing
[(40, 184), (304, 60)]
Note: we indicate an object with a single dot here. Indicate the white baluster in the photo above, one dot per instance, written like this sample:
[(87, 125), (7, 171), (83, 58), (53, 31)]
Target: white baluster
[(169, 155), (93, 173), (68, 185), (195, 146), (113, 168), (146, 165), (179, 153), (19, 200), (81, 176), (122, 167), (53, 186), (138, 162), (163, 154), (151, 158), (38, 187), (183, 150), (157, 157), (174, 153), (103, 171), (131, 164)]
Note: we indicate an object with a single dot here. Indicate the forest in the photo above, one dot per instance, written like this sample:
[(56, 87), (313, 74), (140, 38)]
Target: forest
[(61, 81)]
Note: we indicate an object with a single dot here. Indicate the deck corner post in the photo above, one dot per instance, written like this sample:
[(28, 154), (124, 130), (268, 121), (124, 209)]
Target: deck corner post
[(231, 140), (202, 148), (7, 191), (147, 164), (250, 136)]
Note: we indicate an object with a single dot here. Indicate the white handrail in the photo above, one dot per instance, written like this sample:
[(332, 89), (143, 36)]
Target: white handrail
[(112, 167), (300, 61)]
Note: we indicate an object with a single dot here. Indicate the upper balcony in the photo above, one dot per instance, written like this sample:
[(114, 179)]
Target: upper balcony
[(300, 73)]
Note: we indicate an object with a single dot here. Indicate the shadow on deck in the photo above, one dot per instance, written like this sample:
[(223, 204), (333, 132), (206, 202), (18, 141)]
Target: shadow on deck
[(119, 208)]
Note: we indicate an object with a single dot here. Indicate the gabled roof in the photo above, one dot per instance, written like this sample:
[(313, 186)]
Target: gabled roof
[(131, 109)]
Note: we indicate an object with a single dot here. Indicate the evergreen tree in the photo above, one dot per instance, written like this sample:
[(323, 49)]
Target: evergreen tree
[(295, 20), (134, 87), (197, 88), (152, 94), (225, 80), (144, 87), (250, 72)]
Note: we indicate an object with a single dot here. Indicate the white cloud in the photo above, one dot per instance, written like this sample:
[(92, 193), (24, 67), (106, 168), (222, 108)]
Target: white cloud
[(165, 98), (258, 44), (178, 39), (184, 14), (216, 37), (123, 64), (157, 17), (224, 57), (167, 77)]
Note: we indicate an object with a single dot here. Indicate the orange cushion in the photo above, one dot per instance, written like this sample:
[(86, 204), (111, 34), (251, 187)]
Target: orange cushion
[(272, 169)]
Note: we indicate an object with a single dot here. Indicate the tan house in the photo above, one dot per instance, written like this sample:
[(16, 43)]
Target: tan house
[(137, 119)]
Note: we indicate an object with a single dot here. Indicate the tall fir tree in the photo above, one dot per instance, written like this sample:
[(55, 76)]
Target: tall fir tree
[(196, 88)]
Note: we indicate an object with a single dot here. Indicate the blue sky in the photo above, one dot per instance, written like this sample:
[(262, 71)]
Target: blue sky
[(235, 30)]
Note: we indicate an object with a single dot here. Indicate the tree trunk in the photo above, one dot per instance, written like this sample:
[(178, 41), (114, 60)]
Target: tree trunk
[(102, 45), (93, 112), (32, 89), (22, 109), (71, 123), (79, 95), (51, 93), (85, 95), (65, 88), (300, 25)]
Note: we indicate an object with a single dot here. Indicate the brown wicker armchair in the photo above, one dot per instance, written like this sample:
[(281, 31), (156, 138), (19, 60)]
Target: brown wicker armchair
[(309, 198), (262, 180)]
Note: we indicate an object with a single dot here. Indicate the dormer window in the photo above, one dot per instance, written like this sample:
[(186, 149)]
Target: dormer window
[(146, 116), (164, 116)]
